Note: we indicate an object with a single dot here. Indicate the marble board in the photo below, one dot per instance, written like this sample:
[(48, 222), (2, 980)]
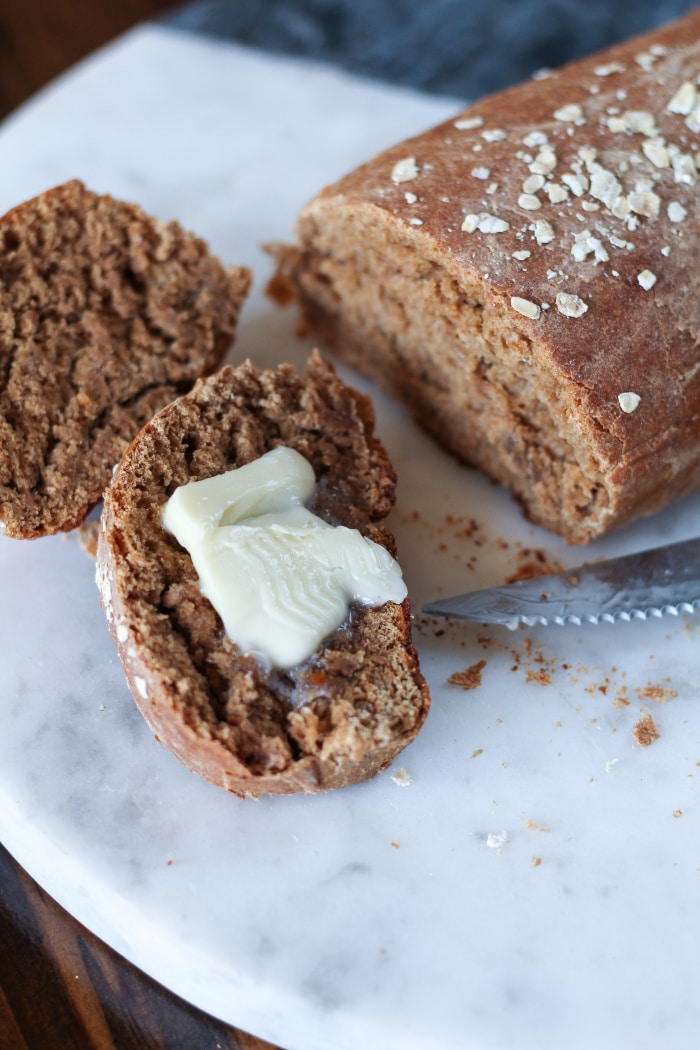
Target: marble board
[(527, 874)]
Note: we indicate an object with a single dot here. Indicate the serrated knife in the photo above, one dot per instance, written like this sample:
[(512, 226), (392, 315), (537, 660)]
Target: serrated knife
[(635, 586)]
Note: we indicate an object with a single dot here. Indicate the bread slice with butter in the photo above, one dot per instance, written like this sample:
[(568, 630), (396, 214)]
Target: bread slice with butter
[(244, 720), (106, 315)]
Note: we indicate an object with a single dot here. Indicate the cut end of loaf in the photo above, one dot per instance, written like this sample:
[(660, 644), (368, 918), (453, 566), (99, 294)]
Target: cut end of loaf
[(447, 352)]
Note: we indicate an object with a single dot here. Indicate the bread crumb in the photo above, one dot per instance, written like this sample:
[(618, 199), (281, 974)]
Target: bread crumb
[(530, 825), (540, 677), (677, 813), (536, 861), (87, 537), (402, 778), (479, 751), (534, 562), (621, 700), (658, 692), (645, 731), (470, 677)]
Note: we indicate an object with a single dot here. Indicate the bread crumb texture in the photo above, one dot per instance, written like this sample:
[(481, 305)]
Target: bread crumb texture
[(645, 731), (534, 298), (360, 698), (470, 677), (106, 315)]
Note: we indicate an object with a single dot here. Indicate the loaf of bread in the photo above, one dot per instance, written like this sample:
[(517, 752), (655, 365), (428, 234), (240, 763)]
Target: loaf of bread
[(525, 277), (106, 315), (344, 713)]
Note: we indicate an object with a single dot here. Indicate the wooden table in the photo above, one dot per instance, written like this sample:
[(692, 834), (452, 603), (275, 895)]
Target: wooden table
[(41, 38), (60, 987)]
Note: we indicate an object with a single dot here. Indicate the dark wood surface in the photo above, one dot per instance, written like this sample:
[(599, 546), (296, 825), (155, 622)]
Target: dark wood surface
[(63, 989), (41, 38), (60, 987)]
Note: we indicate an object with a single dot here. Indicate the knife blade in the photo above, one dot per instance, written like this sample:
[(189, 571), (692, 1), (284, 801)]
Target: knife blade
[(654, 582)]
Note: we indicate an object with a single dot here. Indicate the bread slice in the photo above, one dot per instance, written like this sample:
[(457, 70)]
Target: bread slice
[(525, 278), (360, 698), (106, 315)]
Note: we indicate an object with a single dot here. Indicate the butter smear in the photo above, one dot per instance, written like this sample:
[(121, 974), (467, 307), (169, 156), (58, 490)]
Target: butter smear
[(280, 577)]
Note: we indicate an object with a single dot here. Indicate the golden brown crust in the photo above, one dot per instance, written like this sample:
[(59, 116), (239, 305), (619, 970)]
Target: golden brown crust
[(106, 315), (360, 699), (576, 195)]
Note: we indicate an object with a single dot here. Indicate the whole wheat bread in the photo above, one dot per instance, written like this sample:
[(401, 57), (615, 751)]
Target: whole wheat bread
[(106, 315), (525, 278), (360, 698)]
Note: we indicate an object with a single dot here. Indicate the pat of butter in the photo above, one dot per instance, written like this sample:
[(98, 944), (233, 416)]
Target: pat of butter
[(281, 578)]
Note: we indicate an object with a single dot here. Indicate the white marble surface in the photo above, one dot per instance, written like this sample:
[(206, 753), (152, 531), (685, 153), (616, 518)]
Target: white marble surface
[(537, 883)]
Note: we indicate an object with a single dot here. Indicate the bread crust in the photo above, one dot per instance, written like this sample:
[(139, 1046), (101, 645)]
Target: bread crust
[(106, 315), (574, 198), (360, 699)]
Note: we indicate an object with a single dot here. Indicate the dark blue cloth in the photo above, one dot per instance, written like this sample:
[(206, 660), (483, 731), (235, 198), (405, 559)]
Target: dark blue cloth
[(457, 47)]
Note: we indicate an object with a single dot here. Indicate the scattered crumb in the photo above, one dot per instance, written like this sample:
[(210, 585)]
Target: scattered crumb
[(87, 537), (530, 825), (645, 732), (540, 677), (658, 692), (533, 563), (470, 678), (677, 813), (402, 778), (396, 845), (479, 751), (610, 763), (621, 700), (536, 861)]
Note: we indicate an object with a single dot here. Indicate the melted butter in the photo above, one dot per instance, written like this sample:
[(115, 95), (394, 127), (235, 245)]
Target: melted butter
[(280, 577)]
